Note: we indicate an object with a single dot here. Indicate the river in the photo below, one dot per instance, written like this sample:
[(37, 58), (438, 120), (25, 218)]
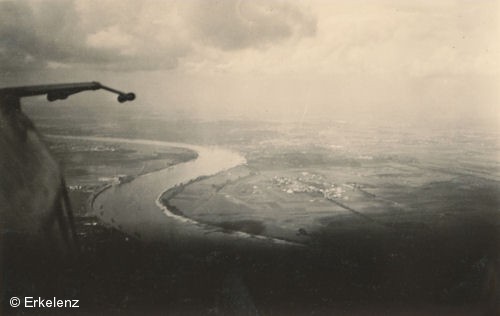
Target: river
[(135, 207)]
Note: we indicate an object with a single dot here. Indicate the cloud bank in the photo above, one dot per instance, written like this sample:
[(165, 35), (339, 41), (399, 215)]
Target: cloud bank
[(265, 57), (139, 35)]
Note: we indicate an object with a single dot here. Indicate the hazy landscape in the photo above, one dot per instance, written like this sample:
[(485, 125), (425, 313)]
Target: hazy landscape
[(255, 157), (392, 217)]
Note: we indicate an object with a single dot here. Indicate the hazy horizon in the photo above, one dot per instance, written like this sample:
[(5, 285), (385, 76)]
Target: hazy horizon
[(280, 60)]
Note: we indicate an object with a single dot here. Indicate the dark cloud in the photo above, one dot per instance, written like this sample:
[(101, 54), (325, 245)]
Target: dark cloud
[(242, 24), (138, 35), (18, 41), (34, 34)]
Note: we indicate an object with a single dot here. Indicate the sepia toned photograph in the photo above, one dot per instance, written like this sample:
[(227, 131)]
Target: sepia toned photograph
[(250, 157)]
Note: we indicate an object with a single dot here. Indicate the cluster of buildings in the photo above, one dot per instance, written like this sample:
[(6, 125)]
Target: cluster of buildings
[(78, 187), (83, 147), (102, 148), (309, 183)]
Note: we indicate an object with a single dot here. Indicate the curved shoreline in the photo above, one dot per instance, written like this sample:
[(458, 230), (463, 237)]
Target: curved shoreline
[(181, 217), (129, 219)]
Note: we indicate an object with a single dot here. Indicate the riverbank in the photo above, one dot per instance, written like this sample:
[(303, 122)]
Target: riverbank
[(132, 207), (92, 164)]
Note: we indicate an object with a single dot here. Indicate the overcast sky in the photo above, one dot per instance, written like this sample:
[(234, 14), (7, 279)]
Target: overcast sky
[(270, 59)]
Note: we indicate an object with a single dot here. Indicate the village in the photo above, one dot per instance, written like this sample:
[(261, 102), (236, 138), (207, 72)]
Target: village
[(312, 184)]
